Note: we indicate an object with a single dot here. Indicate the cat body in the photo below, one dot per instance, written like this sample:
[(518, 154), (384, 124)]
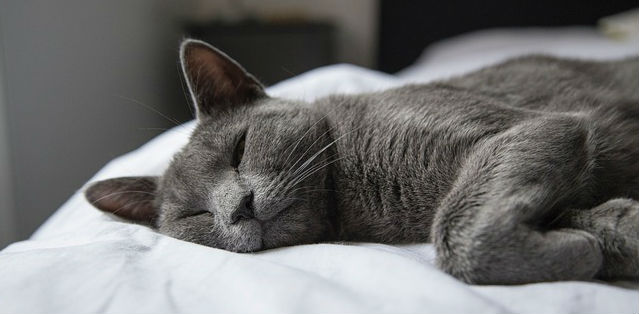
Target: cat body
[(521, 172)]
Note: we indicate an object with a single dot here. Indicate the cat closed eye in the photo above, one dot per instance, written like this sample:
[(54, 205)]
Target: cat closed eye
[(194, 213), (238, 153)]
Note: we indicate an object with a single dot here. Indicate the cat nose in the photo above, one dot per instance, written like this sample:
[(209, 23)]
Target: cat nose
[(244, 210)]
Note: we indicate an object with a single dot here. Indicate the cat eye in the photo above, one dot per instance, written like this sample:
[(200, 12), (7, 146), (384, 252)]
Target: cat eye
[(193, 214), (238, 153)]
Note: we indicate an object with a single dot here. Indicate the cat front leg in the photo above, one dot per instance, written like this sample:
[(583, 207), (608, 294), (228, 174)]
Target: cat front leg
[(615, 224), (487, 229)]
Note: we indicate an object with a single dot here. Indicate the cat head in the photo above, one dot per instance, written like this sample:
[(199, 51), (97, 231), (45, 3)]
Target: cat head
[(254, 174)]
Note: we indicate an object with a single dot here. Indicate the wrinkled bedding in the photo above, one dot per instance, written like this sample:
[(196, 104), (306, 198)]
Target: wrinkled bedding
[(84, 261)]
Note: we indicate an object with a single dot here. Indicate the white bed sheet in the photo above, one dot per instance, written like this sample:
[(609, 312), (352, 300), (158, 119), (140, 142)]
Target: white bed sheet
[(83, 261)]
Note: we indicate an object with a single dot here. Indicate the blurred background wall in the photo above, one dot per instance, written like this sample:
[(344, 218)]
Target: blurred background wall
[(70, 68), (77, 79), (356, 21), (7, 231)]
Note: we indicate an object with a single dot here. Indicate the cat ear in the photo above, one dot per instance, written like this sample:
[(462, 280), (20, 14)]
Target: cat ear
[(128, 197), (216, 82)]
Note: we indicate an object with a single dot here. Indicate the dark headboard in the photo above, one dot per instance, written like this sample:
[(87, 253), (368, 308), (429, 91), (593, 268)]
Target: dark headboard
[(407, 26)]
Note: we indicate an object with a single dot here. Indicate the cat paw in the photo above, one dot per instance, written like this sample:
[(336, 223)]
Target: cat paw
[(616, 224)]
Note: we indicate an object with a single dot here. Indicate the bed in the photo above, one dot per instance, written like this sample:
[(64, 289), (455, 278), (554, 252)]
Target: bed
[(84, 261)]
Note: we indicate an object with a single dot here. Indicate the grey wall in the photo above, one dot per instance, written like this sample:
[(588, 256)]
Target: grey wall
[(7, 231), (67, 65)]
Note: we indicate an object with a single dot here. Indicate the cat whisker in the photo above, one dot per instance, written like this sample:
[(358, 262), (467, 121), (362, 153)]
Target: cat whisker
[(285, 180), (302, 172), (292, 198), (292, 183), (309, 168), (278, 181), (309, 160), (119, 193), (302, 188), (316, 170), (307, 150), (166, 129), (302, 137), (281, 200), (115, 212), (311, 191), (135, 101)]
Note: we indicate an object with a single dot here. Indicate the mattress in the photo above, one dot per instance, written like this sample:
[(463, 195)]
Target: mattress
[(84, 261)]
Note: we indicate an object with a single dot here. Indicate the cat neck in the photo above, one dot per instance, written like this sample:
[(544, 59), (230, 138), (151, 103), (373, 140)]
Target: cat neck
[(375, 196)]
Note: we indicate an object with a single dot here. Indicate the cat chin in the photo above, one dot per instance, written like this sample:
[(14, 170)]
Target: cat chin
[(245, 236), (256, 244), (244, 245)]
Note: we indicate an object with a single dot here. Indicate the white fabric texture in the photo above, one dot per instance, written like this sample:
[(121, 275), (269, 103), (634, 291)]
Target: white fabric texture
[(84, 261)]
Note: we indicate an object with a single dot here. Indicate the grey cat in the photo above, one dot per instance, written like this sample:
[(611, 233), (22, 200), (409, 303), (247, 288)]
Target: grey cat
[(521, 172)]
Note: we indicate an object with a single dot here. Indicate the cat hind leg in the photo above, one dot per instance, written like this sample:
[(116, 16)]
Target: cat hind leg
[(489, 228)]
